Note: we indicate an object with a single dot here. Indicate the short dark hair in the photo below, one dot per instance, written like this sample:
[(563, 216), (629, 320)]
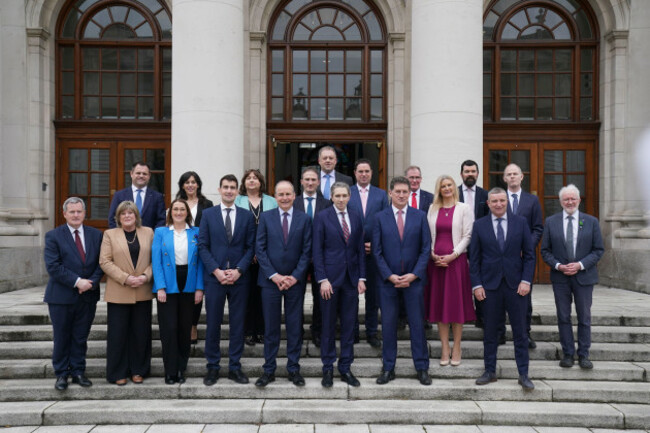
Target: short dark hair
[(260, 177), (362, 161), (229, 178), (309, 168), (468, 163), (399, 180), (188, 218), (146, 164)]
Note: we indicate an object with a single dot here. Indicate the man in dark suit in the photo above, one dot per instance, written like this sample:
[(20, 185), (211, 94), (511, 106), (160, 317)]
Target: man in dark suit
[(525, 205), (327, 161), (150, 203), (572, 245), (401, 244), (312, 203), (339, 263), (283, 251), (226, 247), (502, 265), (418, 198), (475, 196), (72, 262), (368, 200)]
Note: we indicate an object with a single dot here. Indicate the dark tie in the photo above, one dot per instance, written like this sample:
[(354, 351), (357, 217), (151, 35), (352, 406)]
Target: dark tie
[(346, 229), (400, 224), (228, 225), (310, 207), (501, 236), (285, 226), (138, 200), (515, 204), (80, 247), (570, 250)]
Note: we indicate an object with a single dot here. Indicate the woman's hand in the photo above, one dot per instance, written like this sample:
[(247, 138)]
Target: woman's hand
[(198, 296), (162, 296)]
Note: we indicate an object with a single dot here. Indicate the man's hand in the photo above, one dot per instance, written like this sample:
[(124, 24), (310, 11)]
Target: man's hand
[(198, 297), (523, 289), (405, 280), (394, 279), (162, 296), (221, 276), (367, 245), (361, 287), (84, 285), (289, 282), (571, 268), (479, 293), (326, 290), (232, 275), (278, 280)]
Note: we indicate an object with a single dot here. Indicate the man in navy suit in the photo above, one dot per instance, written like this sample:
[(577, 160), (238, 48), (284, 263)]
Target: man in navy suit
[(418, 198), (572, 245), (368, 201), (339, 263), (150, 203), (312, 203), (527, 206), (72, 262), (475, 196), (502, 265), (327, 161), (226, 247), (283, 251), (401, 244)]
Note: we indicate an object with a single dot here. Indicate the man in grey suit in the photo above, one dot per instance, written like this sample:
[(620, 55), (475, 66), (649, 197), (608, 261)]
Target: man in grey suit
[(572, 246)]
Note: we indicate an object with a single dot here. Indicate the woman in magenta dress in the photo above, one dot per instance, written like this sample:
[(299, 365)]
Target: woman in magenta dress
[(449, 298)]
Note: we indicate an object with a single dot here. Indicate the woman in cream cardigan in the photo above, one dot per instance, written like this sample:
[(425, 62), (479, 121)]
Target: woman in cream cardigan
[(125, 257), (448, 299)]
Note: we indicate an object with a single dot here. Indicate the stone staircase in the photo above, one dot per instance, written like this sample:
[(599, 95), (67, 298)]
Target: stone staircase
[(615, 395)]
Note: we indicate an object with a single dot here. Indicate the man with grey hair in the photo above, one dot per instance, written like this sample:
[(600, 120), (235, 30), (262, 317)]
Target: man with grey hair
[(572, 245), (72, 262), (328, 175)]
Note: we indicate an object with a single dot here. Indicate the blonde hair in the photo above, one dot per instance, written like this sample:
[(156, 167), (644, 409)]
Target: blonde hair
[(123, 207), (437, 197)]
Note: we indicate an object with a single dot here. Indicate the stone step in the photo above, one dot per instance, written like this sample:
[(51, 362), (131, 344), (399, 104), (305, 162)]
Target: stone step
[(335, 411)]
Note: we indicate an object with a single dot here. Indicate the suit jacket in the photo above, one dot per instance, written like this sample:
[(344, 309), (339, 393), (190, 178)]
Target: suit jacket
[(530, 209), (163, 261), (588, 249), (276, 256), (333, 257), (207, 204), (115, 260), (64, 265), (268, 202), (320, 204), (488, 265), (461, 227), (214, 249), (426, 200), (377, 201), (480, 201), (399, 257), (153, 210)]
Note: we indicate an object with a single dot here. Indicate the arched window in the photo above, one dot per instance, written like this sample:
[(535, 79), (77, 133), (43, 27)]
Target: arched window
[(114, 60), (539, 61), (327, 62)]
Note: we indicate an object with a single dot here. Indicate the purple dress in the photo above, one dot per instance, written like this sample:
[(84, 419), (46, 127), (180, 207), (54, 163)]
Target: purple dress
[(449, 295)]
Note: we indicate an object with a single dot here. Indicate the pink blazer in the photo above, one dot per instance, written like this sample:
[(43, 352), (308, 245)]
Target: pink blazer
[(461, 226)]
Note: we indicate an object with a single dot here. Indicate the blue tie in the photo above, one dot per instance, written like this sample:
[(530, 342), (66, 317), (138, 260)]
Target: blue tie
[(326, 192), (310, 208), (138, 200), (515, 204), (501, 236)]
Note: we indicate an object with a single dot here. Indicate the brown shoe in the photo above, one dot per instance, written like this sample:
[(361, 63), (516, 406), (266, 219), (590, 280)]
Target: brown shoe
[(136, 378), (120, 382), (195, 335)]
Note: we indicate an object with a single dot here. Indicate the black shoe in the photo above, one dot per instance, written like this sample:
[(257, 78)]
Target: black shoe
[(486, 378), (169, 379), (238, 376), (328, 379), (502, 340), (479, 323), (373, 341), (356, 339), (211, 377), (350, 379), (585, 363), (401, 324), (423, 377), (531, 343), (264, 380), (567, 361), (316, 340), (296, 378), (181, 377), (428, 325), (385, 377), (61, 383), (82, 380), (526, 383), (250, 340)]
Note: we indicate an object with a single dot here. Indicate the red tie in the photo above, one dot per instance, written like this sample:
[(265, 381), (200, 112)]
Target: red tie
[(344, 226), (80, 247), (400, 224), (414, 201)]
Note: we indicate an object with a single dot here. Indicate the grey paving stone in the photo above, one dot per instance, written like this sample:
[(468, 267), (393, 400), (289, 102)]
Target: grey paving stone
[(287, 428), (280, 389), (603, 430), (506, 429), (563, 430), (231, 428), (637, 416), (376, 428), (452, 429), (646, 368), (25, 429), (600, 392), (65, 429), (335, 428), (23, 412), (134, 428), (176, 428)]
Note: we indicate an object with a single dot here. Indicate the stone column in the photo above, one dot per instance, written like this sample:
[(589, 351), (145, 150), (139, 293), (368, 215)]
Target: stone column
[(208, 90), (446, 86)]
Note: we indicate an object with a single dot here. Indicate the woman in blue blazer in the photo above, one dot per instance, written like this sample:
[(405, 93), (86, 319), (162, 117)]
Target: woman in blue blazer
[(178, 285), (252, 197)]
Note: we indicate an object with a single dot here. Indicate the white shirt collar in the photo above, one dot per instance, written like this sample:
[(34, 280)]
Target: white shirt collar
[(361, 188), (290, 211), (135, 189), (575, 214), (187, 227), (471, 188), (494, 217), (518, 192), (72, 229), (395, 210)]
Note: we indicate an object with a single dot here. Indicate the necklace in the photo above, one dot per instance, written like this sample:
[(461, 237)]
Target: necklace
[(256, 211), (135, 236), (446, 210)]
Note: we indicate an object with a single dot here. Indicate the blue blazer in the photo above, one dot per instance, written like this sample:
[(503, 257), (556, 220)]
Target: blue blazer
[(480, 201), (64, 265), (377, 201), (214, 249), (488, 265), (588, 249), (332, 256), (399, 257), (426, 199), (153, 210), (276, 256), (530, 209), (163, 262), (268, 202)]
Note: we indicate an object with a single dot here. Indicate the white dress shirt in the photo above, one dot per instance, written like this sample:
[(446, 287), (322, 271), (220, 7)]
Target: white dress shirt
[(180, 245), (143, 194), (504, 225), (470, 201), (306, 202), (576, 227), (323, 179), (233, 215), (83, 242), (395, 210), (511, 199), (347, 218), (289, 217), (417, 198)]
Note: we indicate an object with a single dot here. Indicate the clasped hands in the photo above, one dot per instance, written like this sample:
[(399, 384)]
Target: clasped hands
[(402, 281), (83, 285), (570, 268), (443, 261), (134, 281), (284, 282), (227, 277)]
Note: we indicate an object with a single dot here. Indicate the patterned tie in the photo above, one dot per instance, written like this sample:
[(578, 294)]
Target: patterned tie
[(138, 200), (80, 247), (515, 204), (228, 225), (285, 226), (570, 250), (326, 192), (400, 224), (414, 200), (310, 207), (346, 229), (501, 236), (364, 199)]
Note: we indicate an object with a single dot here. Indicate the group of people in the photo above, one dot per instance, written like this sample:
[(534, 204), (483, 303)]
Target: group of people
[(418, 257)]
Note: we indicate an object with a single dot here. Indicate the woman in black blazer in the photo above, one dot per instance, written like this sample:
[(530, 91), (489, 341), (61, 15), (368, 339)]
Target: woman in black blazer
[(189, 189)]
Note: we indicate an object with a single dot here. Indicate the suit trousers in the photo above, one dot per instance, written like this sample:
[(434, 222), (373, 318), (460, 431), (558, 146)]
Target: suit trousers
[(71, 325), (215, 300), (128, 340), (345, 300), (372, 299), (254, 323), (414, 306), (175, 323), (316, 311), (495, 305), (582, 295), (293, 306)]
